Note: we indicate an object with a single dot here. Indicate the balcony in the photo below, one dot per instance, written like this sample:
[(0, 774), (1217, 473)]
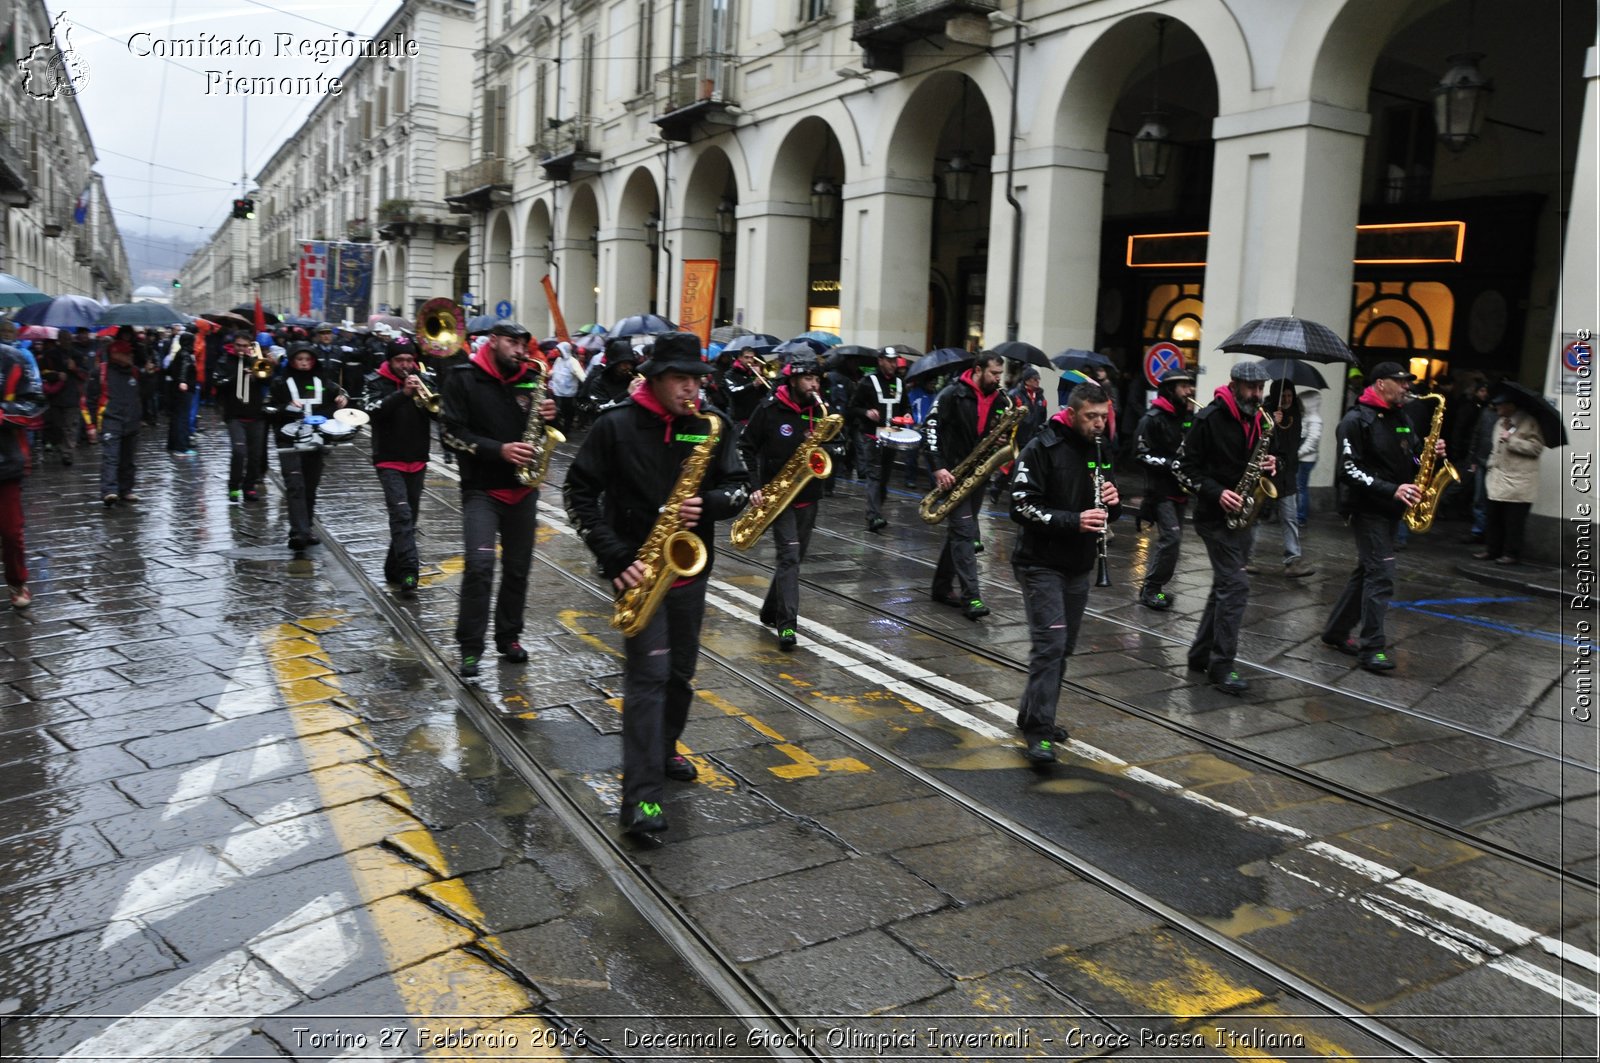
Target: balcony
[(15, 180), (394, 219), (884, 27), (693, 92), (358, 230), (475, 189), (567, 148)]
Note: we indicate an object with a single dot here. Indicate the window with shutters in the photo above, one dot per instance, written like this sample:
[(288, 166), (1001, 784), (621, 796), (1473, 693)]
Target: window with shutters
[(815, 10), (646, 43), (398, 92), (586, 78), (366, 119), (494, 122), (541, 101)]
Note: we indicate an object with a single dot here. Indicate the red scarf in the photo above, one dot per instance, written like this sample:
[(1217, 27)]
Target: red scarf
[(985, 402), (1252, 428), (646, 399), (1163, 403), (1370, 397), (484, 359), (808, 412), (388, 374)]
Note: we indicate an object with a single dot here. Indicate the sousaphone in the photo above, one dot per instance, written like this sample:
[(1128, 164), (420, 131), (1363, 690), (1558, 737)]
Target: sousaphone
[(439, 327)]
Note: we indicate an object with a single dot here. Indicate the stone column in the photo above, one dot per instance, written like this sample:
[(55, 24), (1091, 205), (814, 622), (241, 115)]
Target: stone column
[(774, 251), (1061, 192), (883, 294)]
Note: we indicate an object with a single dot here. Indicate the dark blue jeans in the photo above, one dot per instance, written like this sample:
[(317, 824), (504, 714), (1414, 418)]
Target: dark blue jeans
[(482, 520), (1366, 593), (1054, 601), (119, 443), (1169, 538), (1216, 644)]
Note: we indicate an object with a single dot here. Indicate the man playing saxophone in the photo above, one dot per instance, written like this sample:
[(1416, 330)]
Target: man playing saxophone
[(961, 416), (488, 407), (627, 468), (402, 429), (1377, 463), (784, 422), (1212, 463)]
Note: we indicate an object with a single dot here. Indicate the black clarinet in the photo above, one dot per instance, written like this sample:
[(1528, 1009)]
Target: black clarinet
[(1102, 574)]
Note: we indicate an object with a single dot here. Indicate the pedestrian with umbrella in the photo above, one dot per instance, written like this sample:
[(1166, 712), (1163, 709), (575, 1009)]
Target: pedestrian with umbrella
[(118, 415), (1377, 463), (1511, 478), (1288, 418), (178, 379), (21, 412)]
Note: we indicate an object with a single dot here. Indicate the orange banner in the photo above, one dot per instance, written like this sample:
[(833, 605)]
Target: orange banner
[(555, 309), (699, 290)]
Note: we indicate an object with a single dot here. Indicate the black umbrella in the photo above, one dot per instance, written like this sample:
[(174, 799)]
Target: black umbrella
[(301, 322), (64, 311), (1300, 374), (1536, 406), (1288, 337), (800, 345), (1026, 353), (248, 310), (140, 315), (839, 357), (939, 360), (1075, 358), (726, 334), (643, 325)]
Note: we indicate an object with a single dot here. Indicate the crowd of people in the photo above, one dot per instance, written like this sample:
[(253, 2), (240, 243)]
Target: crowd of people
[(672, 444)]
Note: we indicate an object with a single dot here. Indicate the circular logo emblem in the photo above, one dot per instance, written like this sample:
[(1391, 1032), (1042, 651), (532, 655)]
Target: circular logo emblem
[(786, 429)]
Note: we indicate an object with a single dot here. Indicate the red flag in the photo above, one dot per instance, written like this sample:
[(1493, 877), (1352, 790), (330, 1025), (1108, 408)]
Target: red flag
[(261, 317)]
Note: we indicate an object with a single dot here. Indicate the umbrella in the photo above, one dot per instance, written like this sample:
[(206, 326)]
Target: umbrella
[(231, 321), (248, 310), (64, 311), (827, 339), (1537, 406), (37, 332), (301, 322), (643, 325), (391, 320), (593, 341), (939, 360), (1025, 353), (1287, 337), (1074, 358), (840, 356), (14, 292), (800, 345), (140, 315), (1300, 374), (902, 350), (757, 339), (589, 329), (725, 334), (481, 323)]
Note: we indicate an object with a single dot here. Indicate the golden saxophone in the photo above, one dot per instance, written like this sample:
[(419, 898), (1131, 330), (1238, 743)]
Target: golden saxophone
[(671, 552), (808, 462), (538, 435), (992, 451), (1255, 487), (1430, 481)]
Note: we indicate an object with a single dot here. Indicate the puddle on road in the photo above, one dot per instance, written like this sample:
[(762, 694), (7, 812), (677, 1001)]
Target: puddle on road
[(1247, 918)]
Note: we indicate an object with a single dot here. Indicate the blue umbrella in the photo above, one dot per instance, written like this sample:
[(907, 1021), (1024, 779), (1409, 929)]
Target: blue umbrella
[(64, 311), (1073, 358), (827, 339), (642, 325), (14, 292)]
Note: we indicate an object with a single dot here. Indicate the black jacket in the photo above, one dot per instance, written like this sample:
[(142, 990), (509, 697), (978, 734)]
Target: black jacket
[(225, 383), (865, 397), (952, 430), (1052, 483), (64, 369), (1156, 442), (479, 414), (603, 389), (776, 430), (1377, 453), (401, 430), (178, 371), (305, 384), (1213, 456), (1038, 412), (626, 469), (743, 391)]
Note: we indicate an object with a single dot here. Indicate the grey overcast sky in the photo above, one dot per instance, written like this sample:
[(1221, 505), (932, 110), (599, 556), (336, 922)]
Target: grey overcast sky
[(172, 141)]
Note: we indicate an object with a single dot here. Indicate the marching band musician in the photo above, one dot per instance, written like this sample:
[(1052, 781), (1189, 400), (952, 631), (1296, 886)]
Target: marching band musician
[(1211, 462), (243, 398), (615, 488), (402, 427), (744, 385), (1156, 441), (961, 416), (879, 398), (1377, 463), (297, 395), (1052, 498), (782, 424), (487, 407), (609, 384)]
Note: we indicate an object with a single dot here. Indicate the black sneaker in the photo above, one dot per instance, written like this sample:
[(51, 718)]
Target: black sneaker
[(977, 546), (642, 818), (313, 540), (1160, 601), (787, 639), (1348, 647), (408, 587), (877, 524), (1378, 662), (513, 652), (1041, 751), (1225, 679), (469, 667), (680, 768), (948, 599), (975, 610), (297, 544)]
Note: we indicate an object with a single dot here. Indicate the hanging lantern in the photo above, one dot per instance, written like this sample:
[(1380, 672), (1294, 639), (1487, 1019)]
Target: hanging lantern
[(956, 180), (1152, 150), (1460, 101), (824, 200), (725, 219), (652, 230)]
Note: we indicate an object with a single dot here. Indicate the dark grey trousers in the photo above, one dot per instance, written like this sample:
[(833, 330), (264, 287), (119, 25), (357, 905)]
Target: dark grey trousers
[(791, 535), (1054, 602), (1169, 538), (302, 475), (482, 520), (1217, 642), (247, 454), (876, 463), (658, 689), (1366, 593), (402, 496), (958, 562), (118, 445)]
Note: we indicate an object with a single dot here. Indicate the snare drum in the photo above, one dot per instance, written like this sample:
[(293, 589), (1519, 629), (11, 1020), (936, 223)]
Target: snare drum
[(900, 438), (335, 430), (304, 435)]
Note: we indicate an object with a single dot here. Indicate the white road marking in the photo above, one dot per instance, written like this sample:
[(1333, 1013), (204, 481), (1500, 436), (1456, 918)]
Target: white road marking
[(313, 944), (269, 753)]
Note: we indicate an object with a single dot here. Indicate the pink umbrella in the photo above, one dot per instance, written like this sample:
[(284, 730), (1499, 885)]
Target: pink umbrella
[(37, 332)]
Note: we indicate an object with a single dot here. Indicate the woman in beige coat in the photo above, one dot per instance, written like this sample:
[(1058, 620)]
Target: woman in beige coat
[(1513, 481)]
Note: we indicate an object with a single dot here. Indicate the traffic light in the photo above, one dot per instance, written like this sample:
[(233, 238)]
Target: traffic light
[(176, 283), (244, 208)]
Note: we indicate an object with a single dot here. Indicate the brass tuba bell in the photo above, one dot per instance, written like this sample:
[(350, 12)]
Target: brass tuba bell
[(439, 325)]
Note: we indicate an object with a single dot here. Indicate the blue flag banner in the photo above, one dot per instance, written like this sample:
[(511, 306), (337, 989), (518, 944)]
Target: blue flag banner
[(351, 292)]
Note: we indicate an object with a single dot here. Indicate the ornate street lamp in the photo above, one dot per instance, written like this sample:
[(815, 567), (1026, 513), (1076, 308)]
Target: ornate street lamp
[(824, 200), (725, 220), (652, 230), (1460, 100), (1152, 144), (956, 180)]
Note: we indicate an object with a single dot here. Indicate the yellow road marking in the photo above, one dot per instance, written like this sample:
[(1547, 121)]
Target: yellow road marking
[(440, 985)]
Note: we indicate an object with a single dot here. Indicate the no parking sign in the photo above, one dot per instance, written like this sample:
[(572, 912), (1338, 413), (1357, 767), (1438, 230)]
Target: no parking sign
[(1161, 359), (1577, 360)]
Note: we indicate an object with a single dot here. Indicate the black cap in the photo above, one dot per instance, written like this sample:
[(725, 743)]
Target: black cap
[(675, 352), (510, 328), (803, 366), (1177, 376), (1390, 371)]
